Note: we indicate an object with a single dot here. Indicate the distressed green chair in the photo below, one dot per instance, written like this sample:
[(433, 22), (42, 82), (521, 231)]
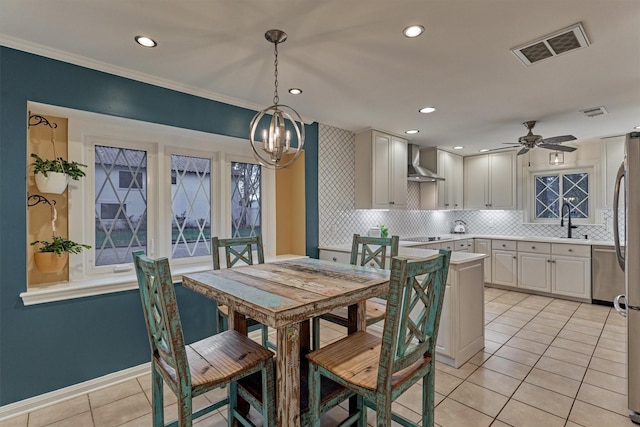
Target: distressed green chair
[(378, 370), (239, 251), (197, 368), (365, 251)]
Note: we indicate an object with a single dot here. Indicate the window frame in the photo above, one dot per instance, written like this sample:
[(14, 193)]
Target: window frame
[(594, 211), (160, 141)]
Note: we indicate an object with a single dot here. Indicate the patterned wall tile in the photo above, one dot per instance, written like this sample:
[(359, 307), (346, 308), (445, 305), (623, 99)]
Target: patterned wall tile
[(339, 219)]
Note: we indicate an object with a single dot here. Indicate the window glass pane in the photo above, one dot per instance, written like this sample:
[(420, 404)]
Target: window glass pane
[(547, 196), (575, 187), (190, 206), (120, 212), (246, 201)]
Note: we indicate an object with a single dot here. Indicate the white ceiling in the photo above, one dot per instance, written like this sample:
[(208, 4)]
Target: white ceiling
[(354, 65)]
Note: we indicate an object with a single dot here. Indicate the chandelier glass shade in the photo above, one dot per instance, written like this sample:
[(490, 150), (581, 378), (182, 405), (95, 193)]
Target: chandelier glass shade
[(285, 131)]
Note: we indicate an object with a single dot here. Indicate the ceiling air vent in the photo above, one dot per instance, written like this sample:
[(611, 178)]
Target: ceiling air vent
[(594, 112), (558, 43)]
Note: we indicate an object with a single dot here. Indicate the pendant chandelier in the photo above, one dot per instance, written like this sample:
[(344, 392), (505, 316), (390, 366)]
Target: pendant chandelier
[(270, 144)]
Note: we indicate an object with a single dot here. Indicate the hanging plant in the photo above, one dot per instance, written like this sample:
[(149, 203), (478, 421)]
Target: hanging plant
[(52, 176), (52, 256)]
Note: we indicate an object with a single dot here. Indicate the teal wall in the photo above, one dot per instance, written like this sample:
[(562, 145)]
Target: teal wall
[(50, 346)]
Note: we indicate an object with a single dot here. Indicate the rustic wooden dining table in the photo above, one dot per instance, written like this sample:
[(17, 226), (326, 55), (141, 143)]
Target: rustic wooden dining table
[(285, 295)]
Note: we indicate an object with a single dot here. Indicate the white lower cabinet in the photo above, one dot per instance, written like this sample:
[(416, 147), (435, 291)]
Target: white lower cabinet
[(534, 272), (504, 263), (562, 269), (335, 256), (483, 246)]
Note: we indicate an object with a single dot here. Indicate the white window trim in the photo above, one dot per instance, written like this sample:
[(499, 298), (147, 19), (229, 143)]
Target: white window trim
[(595, 208), (222, 148)]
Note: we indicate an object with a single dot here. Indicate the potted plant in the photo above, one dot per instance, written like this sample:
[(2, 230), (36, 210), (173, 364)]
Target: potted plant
[(52, 176), (52, 256)]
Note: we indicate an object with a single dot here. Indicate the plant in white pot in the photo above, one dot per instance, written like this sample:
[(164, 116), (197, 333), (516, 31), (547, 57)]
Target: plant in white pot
[(52, 176), (52, 256)]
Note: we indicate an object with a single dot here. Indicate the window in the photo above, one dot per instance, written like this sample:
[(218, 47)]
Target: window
[(126, 178), (190, 206), (162, 190), (551, 191), (246, 204), (118, 235)]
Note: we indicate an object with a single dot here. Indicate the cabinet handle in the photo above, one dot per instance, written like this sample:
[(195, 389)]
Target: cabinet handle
[(548, 260), (371, 264), (533, 247), (392, 203), (334, 259), (570, 250), (504, 246), (515, 257)]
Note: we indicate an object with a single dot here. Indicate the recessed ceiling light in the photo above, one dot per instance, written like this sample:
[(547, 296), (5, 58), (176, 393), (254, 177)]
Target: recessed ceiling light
[(411, 131), (413, 31), (146, 41), (295, 91), (458, 147), (484, 150), (637, 127), (427, 110)]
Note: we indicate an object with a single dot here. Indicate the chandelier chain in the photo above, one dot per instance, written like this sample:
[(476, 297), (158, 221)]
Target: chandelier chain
[(276, 98)]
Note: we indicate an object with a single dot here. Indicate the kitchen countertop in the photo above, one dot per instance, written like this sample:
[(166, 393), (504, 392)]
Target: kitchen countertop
[(407, 250), (451, 237)]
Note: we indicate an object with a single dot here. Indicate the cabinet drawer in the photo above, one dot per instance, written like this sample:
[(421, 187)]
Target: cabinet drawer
[(462, 245), (571, 250), (534, 247), (448, 245), (504, 245)]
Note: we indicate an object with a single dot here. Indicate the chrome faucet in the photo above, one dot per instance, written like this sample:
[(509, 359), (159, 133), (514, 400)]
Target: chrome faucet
[(569, 226)]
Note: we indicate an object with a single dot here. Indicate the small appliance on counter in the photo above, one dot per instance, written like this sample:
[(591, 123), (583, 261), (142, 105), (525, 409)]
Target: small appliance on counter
[(374, 232), (459, 227)]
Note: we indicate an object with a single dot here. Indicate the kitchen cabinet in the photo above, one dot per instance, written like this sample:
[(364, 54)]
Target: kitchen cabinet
[(534, 266), (447, 194), (571, 270), (504, 263), (562, 269), (335, 256), (613, 156), (490, 181), (380, 171), (483, 246), (461, 332)]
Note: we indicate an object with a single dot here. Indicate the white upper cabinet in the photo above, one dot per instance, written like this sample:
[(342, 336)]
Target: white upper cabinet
[(381, 171), (447, 194), (490, 181), (613, 156)]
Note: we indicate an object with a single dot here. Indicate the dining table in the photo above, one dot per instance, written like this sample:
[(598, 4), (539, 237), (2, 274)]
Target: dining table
[(285, 295)]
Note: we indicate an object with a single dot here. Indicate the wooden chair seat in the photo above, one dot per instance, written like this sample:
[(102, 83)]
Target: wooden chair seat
[(374, 312), (217, 360), (356, 358)]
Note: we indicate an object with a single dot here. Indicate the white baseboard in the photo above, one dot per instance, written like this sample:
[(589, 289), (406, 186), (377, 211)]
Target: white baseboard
[(37, 402)]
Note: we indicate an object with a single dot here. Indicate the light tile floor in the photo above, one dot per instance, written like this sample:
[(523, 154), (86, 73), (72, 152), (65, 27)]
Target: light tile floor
[(546, 362)]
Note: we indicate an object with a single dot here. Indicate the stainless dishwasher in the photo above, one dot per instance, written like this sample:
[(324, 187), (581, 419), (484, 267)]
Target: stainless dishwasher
[(607, 278)]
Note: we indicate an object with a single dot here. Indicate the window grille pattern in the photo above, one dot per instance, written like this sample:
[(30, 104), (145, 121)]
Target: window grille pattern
[(246, 199), (551, 191), (190, 206), (123, 229)]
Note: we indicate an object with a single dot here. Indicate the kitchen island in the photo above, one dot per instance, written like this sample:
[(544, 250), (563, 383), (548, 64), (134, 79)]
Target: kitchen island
[(461, 333)]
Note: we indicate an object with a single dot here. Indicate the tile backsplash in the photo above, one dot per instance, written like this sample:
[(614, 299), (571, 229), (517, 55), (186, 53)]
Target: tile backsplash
[(339, 220)]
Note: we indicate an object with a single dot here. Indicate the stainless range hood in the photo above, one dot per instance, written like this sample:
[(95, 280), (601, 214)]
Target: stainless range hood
[(416, 172)]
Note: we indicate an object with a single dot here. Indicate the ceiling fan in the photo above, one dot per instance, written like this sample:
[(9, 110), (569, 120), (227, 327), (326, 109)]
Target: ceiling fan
[(530, 141)]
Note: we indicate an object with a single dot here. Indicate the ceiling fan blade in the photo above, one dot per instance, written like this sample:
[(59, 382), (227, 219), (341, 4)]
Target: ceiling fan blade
[(557, 147), (512, 143), (558, 139), (501, 148), (523, 151)]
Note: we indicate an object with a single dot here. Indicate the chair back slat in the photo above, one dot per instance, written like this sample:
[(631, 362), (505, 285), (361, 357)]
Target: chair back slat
[(373, 250), (160, 309), (237, 250), (414, 304)]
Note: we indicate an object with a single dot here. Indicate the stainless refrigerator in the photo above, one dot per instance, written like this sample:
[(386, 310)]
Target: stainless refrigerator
[(628, 304)]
